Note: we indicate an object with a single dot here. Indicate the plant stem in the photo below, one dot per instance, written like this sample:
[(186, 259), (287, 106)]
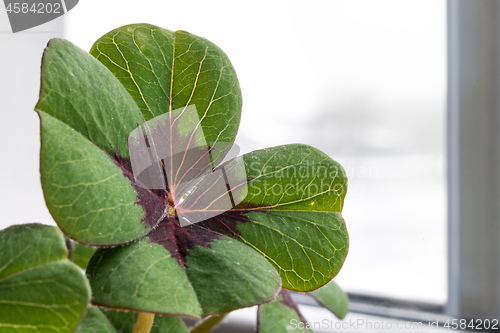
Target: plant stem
[(144, 322), (208, 324)]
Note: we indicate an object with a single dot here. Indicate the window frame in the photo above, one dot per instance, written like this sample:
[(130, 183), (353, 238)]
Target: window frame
[(473, 156)]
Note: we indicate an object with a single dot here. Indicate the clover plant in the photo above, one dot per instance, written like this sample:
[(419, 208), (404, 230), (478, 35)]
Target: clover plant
[(136, 171)]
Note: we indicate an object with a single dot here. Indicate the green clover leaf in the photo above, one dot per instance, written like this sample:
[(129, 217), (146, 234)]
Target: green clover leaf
[(285, 228), (40, 289)]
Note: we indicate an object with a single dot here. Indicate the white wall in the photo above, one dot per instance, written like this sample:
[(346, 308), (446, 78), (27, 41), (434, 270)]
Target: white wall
[(21, 198)]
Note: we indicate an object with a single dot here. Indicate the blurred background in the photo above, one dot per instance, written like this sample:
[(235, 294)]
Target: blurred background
[(362, 80)]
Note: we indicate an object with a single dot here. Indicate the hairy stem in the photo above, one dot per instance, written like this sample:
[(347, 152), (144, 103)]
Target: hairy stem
[(144, 322), (208, 324)]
